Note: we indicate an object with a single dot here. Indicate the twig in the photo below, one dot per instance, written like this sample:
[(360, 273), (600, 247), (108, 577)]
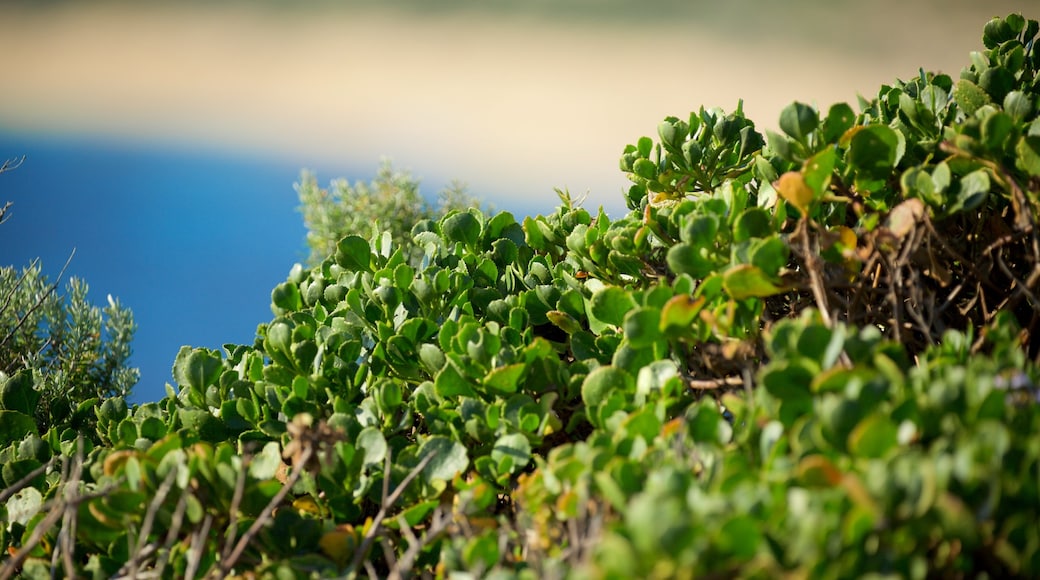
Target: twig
[(174, 530), (57, 509), (437, 528), (711, 384), (23, 482), (66, 536), (815, 283), (236, 500), (7, 166), (377, 523), (52, 517), (36, 306), (145, 550), (265, 515), (195, 550), (21, 278), (1025, 288)]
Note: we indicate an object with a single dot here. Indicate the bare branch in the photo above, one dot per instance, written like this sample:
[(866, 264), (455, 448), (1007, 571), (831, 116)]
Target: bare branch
[(23, 482), (226, 564), (11, 164), (388, 502), (37, 305)]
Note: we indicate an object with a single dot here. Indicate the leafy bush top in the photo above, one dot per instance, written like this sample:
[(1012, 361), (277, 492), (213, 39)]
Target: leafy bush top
[(801, 353)]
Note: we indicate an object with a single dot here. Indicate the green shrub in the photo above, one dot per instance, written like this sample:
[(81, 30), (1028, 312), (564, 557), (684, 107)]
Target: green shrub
[(389, 203), (806, 353), (59, 354)]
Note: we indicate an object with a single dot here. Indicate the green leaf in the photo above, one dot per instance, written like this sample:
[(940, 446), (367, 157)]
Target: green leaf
[(643, 423), (505, 379), (996, 32), (24, 505), (415, 514), (431, 357), (799, 120), (657, 376), (112, 410), (1027, 155), (610, 304), (996, 129), (603, 381), (354, 254), (874, 151), (747, 281), (684, 258), (821, 344), (33, 447), (514, 446), (997, 81), (755, 222), (642, 326), (450, 383), (645, 145), (203, 423), (18, 393), (645, 168), (564, 321), (449, 457), (840, 118), (265, 464), (14, 471), (196, 368), (874, 436), (461, 227), (482, 552), (14, 426), (741, 536), (969, 97), (372, 443), (970, 191), (1019, 105), (769, 255), (818, 171), (286, 298), (788, 379), (699, 230)]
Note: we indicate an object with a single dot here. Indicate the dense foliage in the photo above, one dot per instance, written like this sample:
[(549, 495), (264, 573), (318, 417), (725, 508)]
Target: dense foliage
[(805, 353)]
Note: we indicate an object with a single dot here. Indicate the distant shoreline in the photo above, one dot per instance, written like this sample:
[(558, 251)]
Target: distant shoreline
[(518, 107)]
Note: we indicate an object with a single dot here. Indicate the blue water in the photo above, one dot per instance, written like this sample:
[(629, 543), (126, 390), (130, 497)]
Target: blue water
[(192, 242)]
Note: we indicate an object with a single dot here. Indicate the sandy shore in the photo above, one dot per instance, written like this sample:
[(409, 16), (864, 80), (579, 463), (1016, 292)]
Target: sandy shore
[(513, 107)]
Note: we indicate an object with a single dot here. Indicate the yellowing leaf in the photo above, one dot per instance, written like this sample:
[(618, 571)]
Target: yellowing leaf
[(747, 281), (679, 312), (307, 504), (793, 188), (339, 544), (817, 471), (847, 237)]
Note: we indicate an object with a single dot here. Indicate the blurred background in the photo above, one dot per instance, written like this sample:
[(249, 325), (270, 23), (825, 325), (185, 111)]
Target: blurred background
[(162, 139)]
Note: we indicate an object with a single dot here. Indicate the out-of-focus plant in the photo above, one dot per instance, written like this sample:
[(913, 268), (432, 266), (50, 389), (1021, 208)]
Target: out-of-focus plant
[(389, 203), (67, 351)]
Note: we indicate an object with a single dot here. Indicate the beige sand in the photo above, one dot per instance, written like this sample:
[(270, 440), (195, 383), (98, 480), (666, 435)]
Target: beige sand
[(513, 107)]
